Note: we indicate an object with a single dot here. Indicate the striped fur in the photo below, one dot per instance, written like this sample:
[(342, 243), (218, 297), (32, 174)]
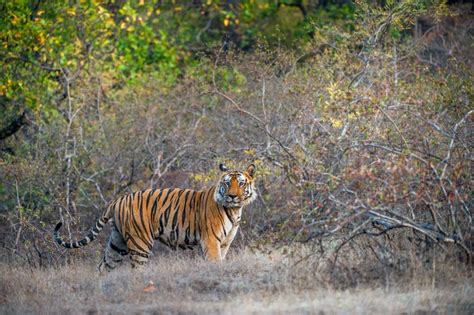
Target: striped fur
[(179, 218)]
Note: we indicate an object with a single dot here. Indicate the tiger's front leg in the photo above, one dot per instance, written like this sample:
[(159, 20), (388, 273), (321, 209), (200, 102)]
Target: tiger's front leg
[(224, 250), (226, 243), (211, 248)]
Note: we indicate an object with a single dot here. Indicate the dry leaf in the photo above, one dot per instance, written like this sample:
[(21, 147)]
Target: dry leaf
[(150, 287)]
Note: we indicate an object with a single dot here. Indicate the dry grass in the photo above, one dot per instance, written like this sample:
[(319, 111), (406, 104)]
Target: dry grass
[(246, 283)]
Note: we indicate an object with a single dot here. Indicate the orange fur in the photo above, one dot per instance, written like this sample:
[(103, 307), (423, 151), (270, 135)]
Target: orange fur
[(181, 218)]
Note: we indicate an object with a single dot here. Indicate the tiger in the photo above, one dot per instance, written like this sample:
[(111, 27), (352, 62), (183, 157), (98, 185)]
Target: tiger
[(179, 218)]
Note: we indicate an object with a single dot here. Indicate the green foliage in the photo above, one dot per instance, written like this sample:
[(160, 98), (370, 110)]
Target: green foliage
[(44, 44)]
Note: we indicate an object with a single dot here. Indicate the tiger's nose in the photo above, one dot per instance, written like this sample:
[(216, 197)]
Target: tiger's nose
[(232, 196)]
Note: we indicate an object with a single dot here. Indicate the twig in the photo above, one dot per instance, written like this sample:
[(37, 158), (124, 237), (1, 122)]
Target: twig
[(451, 144)]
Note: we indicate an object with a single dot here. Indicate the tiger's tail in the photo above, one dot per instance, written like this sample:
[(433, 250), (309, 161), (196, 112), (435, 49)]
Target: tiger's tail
[(99, 225)]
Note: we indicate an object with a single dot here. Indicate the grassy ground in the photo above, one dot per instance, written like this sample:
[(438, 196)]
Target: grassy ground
[(246, 283)]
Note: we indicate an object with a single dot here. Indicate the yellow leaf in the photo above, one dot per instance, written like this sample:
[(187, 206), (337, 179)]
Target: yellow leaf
[(109, 22), (226, 22), (71, 12), (14, 19), (40, 38), (336, 123), (250, 152), (150, 287), (332, 90)]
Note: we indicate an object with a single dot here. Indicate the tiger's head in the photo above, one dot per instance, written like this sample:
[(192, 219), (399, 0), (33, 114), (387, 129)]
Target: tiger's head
[(235, 189)]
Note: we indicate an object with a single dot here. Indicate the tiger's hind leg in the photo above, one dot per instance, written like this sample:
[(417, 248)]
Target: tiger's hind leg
[(138, 259), (139, 251), (115, 251)]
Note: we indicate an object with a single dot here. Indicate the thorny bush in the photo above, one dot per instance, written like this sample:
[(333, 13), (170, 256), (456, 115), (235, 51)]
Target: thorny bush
[(363, 149)]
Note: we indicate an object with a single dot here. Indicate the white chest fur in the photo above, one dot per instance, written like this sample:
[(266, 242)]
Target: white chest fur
[(231, 224)]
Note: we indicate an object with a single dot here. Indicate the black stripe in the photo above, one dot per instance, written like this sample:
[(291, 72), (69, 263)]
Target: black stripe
[(215, 235), (134, 252), (109, 266), (118, 213), (204, 211), (168, 239), (127, 204), (143, 209), (168, 193), (175, 220), (221, 219), (94, 229), (155, 205), (186, 236), (162, 228), (148, 198), (141, 212), (226, 210), (205, 202), (176, 211), (207, 211), (126, 220), (150, 219), (139, 232), (167, 211), (141, 235), (194, 209), (118, 250), (185, 208), (199, 211), (138, 246), (172, 207)]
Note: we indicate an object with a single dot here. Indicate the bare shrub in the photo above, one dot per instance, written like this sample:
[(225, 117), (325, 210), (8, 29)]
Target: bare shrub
[(363, 152)]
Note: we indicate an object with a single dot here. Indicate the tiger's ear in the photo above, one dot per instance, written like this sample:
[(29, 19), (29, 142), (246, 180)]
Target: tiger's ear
[(223, 168), (251, 170)]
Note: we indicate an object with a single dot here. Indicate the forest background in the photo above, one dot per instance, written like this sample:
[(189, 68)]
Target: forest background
[(358, 115)]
